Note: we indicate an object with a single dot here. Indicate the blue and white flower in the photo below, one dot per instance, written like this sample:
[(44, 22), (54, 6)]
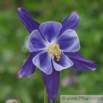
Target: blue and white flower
[(53, 47)]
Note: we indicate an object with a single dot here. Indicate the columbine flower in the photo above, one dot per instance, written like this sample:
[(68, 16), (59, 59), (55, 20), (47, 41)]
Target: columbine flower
[(53, 47)]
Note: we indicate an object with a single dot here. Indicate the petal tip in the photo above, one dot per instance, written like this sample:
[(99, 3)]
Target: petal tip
[(19, 76), (19, 8), (94, 69), (51, 100), (76, 13)]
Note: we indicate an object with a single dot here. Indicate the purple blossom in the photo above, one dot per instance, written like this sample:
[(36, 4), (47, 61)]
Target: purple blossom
[(53, 47)]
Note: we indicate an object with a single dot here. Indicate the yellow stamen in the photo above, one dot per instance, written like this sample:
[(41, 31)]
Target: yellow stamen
[(55, 51)]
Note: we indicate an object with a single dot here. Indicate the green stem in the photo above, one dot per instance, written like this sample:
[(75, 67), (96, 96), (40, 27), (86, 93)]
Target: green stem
[(45, 96)]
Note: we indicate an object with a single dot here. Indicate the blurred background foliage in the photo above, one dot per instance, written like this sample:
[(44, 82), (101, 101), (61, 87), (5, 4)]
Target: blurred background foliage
[(14, 52)]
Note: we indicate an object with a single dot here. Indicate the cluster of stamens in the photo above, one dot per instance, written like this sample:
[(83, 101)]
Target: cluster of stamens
[(55, 51)]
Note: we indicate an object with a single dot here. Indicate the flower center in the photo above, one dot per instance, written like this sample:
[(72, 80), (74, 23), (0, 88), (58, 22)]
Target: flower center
[(55, 51)]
